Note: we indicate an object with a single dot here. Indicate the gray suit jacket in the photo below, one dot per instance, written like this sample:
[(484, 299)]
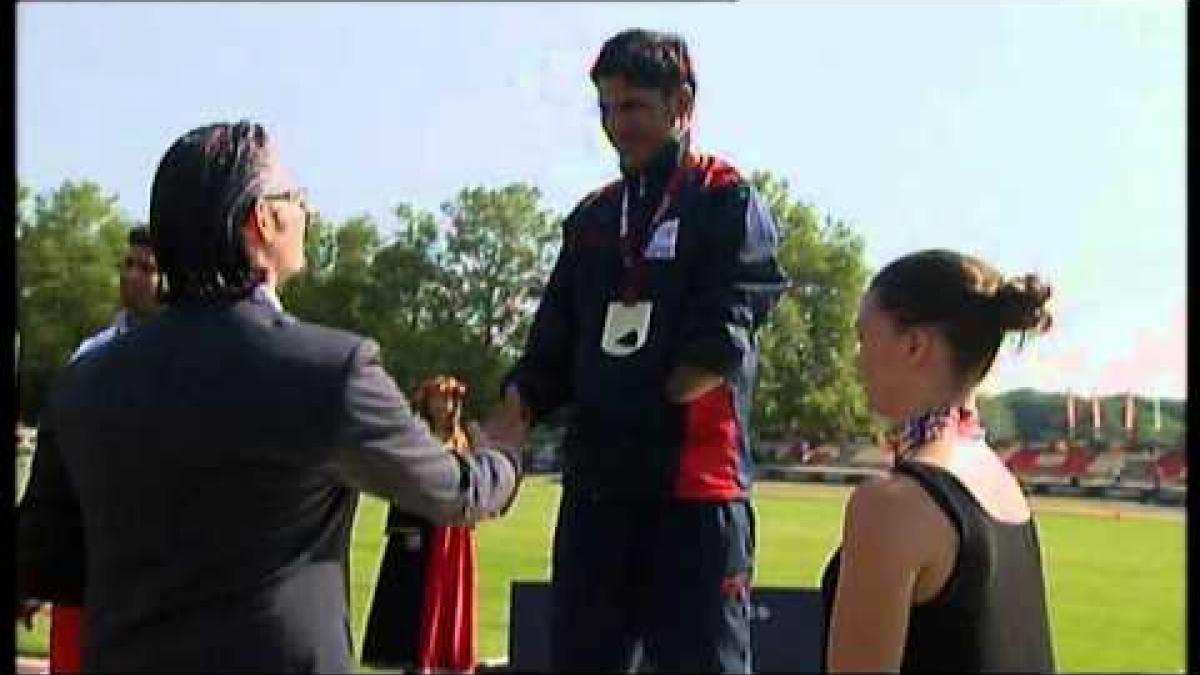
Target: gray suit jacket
[(201, 474)]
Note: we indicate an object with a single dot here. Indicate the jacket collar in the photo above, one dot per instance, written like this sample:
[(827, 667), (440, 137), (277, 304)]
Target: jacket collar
[(648, 182), (265, 296), (261, 305), (264, 299), (124, 322)]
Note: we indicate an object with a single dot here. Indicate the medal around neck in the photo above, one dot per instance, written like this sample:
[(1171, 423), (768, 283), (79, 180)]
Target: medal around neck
[(625, 328)]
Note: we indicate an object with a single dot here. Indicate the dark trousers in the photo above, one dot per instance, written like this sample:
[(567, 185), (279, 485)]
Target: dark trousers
[(651, 585), (394, 621)]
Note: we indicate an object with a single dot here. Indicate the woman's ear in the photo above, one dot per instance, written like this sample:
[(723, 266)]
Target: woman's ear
[(918, 343)]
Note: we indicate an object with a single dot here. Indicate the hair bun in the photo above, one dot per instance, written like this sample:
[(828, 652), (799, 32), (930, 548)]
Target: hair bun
[(1022, 303)]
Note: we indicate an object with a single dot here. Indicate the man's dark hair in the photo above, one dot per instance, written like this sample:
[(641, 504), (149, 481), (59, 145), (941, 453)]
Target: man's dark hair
[(140, 236), (205, 185), (648, 59)]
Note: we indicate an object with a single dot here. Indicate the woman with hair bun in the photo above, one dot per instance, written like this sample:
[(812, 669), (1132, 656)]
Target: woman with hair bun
[(940, 567), (423, 616)]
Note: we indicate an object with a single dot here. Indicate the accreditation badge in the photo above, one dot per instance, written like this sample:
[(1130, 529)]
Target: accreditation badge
[(625, 328), (662, 244)]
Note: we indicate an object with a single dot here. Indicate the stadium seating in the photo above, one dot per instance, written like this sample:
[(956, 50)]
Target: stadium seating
[(867, 457), (1138, 471), (1172, 467), (1022, 460), (1103, 473), (1042, 469), (1077, 461), (1061, 466), (1071, 466), (822, 455)]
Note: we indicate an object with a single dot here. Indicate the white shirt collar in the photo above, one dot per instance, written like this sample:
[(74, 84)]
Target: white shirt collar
[(264, 295), (123, 323)]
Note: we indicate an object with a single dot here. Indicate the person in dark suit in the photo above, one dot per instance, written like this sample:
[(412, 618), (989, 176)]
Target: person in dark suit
[(139, 302), (207, 466)]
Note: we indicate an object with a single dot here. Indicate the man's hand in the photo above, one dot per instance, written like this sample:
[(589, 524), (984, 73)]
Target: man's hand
[(506, 429), (508, 423), (26, 609), (474, 436), (688, 383)]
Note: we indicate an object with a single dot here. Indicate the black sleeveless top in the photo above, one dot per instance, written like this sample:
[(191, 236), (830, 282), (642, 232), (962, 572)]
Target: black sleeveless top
[(991, 614)]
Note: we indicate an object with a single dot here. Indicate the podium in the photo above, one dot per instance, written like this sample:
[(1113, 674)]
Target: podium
[(786, 628)]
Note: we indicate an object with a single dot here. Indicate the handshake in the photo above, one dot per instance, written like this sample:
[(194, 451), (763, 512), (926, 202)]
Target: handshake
[(504, 431), (505, 428)]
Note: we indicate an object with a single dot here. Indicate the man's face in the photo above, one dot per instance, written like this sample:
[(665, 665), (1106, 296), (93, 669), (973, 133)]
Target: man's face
[(637, 120), (289, 214), (139, 281)]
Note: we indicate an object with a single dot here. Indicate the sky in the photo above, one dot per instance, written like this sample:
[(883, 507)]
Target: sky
[(1045, 137)]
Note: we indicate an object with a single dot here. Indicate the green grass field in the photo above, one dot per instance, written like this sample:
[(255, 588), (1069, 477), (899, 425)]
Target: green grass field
[(1116, 586)]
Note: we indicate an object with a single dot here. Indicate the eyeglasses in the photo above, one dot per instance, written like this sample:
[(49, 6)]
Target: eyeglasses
[(297, 197)]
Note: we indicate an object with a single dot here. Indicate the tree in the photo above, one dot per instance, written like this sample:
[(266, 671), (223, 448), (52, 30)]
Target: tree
[(998, 419), (456, 294), (409, 301), (68, 247), (301, 295), (357, 241), (453, 295), (498, 252), (808, 386)]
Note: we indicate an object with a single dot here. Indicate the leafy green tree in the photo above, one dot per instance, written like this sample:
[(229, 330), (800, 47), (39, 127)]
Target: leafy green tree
[(302, 295), (357, 241), (69, 246), (998, 419), (1031, 416), (808, 384), (442, 295), (455, 293), (499, 247)]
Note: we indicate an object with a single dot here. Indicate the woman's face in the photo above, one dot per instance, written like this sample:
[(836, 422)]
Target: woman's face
[(881, 361), (441, 405)]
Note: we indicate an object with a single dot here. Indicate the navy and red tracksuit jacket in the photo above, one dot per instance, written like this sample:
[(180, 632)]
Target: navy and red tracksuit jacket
[(710, 295)]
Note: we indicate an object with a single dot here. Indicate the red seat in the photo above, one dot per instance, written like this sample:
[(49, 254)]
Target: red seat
[(1076, 462), (1023, 460), (1172, 466)]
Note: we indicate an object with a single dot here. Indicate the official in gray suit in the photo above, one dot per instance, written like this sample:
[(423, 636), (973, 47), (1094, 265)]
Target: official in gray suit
[(207, 466)]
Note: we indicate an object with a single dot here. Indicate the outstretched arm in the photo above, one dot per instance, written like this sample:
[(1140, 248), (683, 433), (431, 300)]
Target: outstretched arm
[(388, 451)]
